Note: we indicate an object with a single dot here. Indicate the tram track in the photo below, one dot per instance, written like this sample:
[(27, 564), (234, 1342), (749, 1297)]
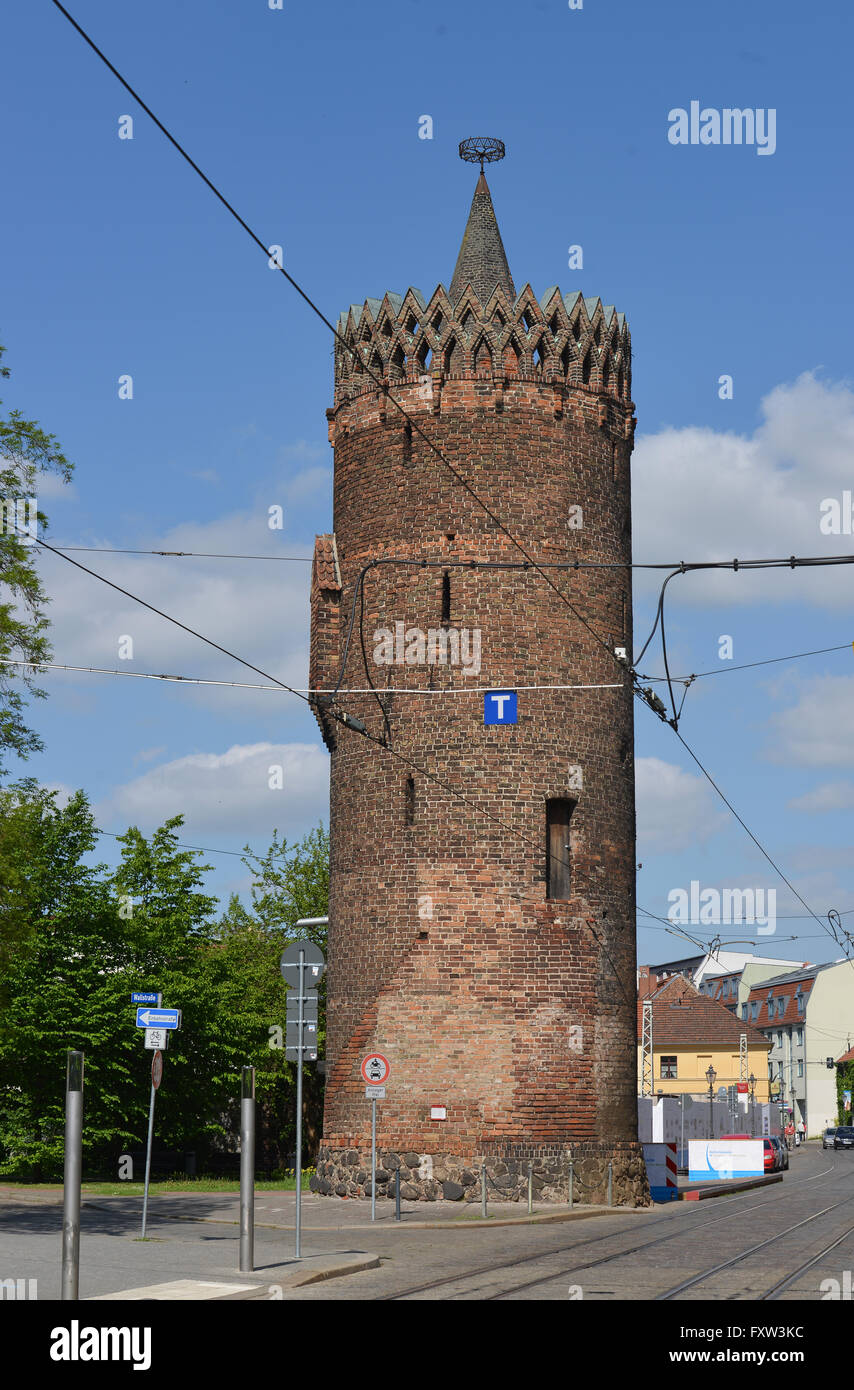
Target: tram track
[(685, 1230)]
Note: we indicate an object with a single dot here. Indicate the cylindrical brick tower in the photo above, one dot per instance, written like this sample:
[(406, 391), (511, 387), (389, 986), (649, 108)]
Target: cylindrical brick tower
[(482, 874)]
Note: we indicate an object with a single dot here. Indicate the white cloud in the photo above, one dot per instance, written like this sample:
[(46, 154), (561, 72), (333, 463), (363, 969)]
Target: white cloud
[(145, 755), (227, 793), (702, 494), (302, 451), (310, 484), (813, 732), (258, 609), (830, 796), (675, 810)]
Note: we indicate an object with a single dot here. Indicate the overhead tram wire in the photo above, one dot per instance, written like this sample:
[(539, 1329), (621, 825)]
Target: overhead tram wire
[(644, 696), (343, 718), (39, 666), (179, 554), (748, 665), (793, 562), (347, 721), (169, 619), (828, 930), (411, 420)]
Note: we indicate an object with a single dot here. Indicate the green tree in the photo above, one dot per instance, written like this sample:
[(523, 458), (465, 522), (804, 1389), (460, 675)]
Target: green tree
[(292, 882), (61, 991), (844, 1082), (26, 452), (90, 938)]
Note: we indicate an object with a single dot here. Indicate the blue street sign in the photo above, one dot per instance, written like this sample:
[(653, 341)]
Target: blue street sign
[(499, 707), (158, 1018), (146, 998)]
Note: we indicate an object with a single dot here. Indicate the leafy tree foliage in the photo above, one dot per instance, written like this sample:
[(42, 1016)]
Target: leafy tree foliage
[(26, 451), (291, 882), (80, 939)]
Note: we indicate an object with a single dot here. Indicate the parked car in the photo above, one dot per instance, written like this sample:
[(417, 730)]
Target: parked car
[(782, 1151), (844, 1137), (828, 1137)]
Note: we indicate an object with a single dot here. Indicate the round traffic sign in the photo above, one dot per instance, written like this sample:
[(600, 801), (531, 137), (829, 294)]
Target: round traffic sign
[(375, 1069), (314, 963), (156, 1069)]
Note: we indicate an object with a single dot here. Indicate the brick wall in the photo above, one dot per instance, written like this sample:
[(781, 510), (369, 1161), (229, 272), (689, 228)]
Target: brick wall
[(514, 1012)]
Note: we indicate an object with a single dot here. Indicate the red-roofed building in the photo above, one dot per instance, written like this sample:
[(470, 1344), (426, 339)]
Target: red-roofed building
[(690, 1033)]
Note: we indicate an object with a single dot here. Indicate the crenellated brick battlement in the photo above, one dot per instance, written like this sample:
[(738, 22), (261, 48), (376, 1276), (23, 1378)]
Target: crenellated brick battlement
[(559, 340)]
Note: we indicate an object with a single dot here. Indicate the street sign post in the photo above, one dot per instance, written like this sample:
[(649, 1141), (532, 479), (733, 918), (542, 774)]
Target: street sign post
[(158, 1023), (247, 1170), (73, 1168), (301, 1043), (158, 1018), (309, 1006), (314, 963), (375, 1070), (302, 965), (154, 1086)]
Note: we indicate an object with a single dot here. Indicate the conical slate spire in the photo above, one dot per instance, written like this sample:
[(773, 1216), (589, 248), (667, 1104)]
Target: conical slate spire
[(482, 262)]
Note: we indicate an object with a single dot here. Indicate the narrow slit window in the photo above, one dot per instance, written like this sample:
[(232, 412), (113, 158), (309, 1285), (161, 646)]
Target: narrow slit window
[(446, 597), (409, 815), (558, 861)]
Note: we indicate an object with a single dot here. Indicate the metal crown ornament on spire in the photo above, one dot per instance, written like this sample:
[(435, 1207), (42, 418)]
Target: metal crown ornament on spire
[(482, 149)]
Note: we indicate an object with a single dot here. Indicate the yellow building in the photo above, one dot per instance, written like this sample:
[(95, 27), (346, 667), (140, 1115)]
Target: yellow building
[(691, 1033)]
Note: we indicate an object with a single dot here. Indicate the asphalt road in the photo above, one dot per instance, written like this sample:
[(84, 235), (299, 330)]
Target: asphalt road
[(779, 1242)]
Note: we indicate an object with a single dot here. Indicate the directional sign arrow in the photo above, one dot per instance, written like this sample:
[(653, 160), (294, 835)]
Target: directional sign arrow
[(158, 1018)]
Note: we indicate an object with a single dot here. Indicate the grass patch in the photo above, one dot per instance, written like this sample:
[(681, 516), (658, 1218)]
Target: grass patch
[(180, 1183)]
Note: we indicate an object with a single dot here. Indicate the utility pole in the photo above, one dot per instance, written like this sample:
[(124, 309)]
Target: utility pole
[(647, 1063), (72, 1175)]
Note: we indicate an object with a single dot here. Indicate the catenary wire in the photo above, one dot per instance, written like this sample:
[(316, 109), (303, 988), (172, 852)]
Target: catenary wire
[(304, 690), (364, 732), (410, 420)]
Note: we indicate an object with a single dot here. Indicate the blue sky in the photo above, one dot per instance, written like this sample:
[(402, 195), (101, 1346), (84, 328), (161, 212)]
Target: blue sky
[(116, 259)]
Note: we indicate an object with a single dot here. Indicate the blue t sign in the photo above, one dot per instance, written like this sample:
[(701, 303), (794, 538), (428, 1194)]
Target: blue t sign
[(499, 707)]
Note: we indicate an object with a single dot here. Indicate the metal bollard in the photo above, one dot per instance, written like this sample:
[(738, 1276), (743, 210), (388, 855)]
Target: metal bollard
[(571, 1181), (397, 1194), (483, 1189), (72, 1176), (530, 1188), (247, 1170), (610, 1182)]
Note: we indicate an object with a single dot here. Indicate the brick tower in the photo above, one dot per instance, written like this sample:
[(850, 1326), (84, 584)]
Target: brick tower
[(482, 875)]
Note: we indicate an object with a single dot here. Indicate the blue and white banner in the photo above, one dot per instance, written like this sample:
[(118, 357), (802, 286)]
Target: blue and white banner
[(718, 1159)]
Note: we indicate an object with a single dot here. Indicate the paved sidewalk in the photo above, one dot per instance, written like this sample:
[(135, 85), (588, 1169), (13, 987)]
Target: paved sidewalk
[(276, 1210)]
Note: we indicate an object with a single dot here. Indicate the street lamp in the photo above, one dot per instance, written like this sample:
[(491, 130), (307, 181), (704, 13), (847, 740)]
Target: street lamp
[(711, 1074), (752, 1084)]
